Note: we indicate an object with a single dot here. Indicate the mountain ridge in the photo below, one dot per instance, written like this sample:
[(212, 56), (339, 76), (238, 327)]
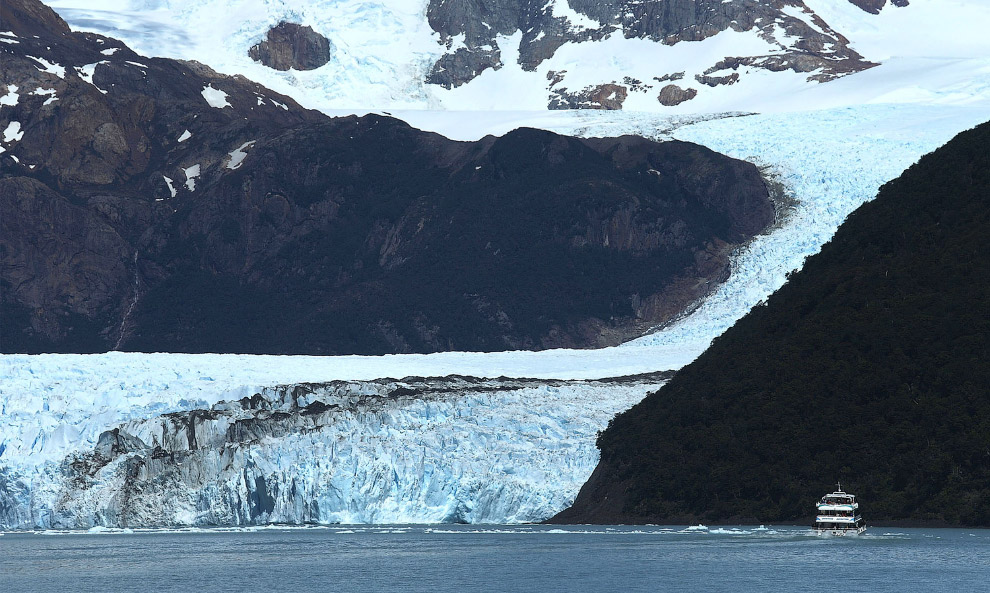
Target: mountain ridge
[(224, 217), (865, 367)]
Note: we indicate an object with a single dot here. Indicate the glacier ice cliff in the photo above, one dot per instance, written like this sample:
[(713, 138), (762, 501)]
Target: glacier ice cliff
[(453, 449)]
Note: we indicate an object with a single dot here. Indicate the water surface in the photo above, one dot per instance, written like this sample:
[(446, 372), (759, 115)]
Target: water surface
[(497, 558)]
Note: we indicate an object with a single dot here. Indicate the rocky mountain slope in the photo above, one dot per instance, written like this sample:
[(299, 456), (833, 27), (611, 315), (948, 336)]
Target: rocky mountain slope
[(157, 205), (797, 38), (867, 367), (680, 55)]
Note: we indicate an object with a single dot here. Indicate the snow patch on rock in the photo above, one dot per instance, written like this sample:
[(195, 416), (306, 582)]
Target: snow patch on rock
[(169, 183), (215, 97), (86, 73), (10, 97), (191, 174), (50, 67), (13, 133), (42, 92), (238, 155)]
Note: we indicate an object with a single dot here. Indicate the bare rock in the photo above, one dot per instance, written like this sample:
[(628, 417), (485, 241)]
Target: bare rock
[(874, 6), (714, 81), (453, 70), (290, 46), (604, 96), (669, 77), (672, 94), (480, 24)]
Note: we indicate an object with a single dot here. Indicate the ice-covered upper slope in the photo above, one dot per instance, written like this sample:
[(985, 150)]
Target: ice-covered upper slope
[(383, 51)]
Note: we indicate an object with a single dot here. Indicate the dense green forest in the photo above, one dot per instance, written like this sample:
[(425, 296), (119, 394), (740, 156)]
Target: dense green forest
[(870, 366)]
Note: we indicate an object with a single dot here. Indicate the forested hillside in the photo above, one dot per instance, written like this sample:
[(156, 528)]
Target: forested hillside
[(870, 366)]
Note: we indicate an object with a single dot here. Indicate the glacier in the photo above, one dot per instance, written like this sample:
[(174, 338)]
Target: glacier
[(122, 439), (451, 449), (498, 450)]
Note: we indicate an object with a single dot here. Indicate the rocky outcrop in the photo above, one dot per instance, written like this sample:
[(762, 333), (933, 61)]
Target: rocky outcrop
[(291, 46), (874, 6), (157, 205), (451, 69), (714, 81), (797, 36), (603, 96), (672, 94), (96, 164)]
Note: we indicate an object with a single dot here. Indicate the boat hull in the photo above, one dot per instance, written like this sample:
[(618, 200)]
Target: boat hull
[(840, 531)]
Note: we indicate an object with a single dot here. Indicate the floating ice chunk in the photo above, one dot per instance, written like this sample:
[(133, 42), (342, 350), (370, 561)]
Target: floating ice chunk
[(101, 529), (191, 174), (5, 40), (110, 51), (86, 73), (238, 155), (13, 133), (215, 97), (50, 67), (185, 136), (11, 97), (171, 188), (8, 33)]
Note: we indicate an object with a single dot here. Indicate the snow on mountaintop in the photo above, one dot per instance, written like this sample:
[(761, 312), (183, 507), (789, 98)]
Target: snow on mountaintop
[(382, 52)]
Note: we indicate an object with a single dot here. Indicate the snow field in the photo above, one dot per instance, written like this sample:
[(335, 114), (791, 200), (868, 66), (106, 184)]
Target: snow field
[(930, 51)]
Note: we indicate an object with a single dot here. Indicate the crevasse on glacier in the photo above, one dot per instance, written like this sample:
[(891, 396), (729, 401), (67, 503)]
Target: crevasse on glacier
[(412, 451)]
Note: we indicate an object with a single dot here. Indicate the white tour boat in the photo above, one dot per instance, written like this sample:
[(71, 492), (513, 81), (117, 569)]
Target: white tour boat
[(838, 514)]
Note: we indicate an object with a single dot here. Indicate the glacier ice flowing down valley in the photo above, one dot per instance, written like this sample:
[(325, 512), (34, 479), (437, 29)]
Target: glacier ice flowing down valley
[(171, 439), (497, 451)]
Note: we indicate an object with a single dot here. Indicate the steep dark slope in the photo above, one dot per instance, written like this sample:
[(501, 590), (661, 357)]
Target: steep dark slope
[(151, 204), (870, 366)]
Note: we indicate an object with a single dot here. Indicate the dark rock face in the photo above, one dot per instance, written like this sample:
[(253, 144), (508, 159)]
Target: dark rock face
[(449, 70), (672, 94), (874, 6), (667, 22), (603, 96), (84, 184), (887, 327), (156, 205), (290, 46)]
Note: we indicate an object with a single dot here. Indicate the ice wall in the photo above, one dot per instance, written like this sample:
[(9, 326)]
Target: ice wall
[(411, 451)]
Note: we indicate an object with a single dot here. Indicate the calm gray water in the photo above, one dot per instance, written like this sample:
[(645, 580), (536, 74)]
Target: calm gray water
[(512, 558)]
